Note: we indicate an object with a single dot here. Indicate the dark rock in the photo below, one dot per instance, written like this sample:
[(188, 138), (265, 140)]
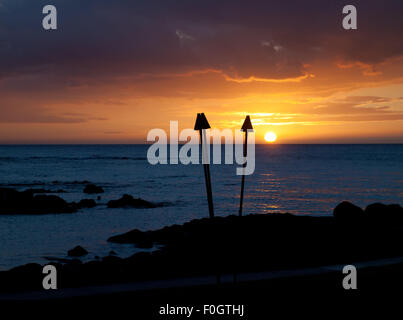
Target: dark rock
[(348, 212), (28, 268), (51, 204), (111, 259), (375, 210), (14, 202), (129, 201), (145, 244), (74, 262), (10, 196), (112, 253), (139, 256), (379, 212), (87, 203), (133, 236), (396, 209), (77, 252), (251, 243), (22, 278), (40, 190), (92, 188)]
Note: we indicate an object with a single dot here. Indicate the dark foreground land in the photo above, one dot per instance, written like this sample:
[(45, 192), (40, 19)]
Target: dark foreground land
[(314, 296), (238, 245)]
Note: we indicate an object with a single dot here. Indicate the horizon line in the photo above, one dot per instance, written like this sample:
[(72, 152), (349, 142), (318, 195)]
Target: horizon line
[(150, 143)]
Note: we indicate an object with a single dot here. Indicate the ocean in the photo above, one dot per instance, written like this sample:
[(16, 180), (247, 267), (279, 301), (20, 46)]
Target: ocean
[(300, 179)]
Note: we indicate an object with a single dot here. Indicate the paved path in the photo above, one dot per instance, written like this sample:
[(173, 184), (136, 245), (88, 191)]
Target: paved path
[(186, 282)]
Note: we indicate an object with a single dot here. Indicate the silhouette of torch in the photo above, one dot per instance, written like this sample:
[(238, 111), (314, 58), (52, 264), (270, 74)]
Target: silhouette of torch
[(247, 125), (201, 125)]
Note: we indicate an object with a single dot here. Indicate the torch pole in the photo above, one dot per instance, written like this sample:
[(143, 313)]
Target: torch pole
[(207, 177), (245, 153)]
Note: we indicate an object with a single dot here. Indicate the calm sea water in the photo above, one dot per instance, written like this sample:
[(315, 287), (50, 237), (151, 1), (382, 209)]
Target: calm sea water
[(301, 179)]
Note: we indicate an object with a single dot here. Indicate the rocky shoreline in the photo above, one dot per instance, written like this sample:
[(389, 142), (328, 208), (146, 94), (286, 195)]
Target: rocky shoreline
[(233, 244), (42, 201)]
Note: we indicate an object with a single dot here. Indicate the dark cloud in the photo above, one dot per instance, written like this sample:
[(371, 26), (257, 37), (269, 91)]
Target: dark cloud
[(268, 39)]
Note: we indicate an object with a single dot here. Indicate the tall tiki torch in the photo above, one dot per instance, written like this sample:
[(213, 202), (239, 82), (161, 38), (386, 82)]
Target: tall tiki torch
[(247, 125), (201, 125)]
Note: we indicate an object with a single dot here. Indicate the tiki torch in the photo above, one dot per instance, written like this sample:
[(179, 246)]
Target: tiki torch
[(201, 125), (247, 125)]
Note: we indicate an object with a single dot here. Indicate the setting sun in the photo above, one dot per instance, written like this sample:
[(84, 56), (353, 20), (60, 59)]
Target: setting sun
[(270, 137)]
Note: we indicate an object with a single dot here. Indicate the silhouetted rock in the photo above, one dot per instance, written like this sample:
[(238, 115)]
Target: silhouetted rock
[(9, 196), (348, 211), (49, 204), (78, 251), (144, 244), (379, 212), (14, 202), (28, 268), (40, 190), (87, 203), (375, 210), (132, 236), (129, 201), (252, 243), (396, 209), (111, 259), (92, 188)]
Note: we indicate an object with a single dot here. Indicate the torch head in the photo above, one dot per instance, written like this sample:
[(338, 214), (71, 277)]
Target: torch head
[(247, 124), (201, 122)]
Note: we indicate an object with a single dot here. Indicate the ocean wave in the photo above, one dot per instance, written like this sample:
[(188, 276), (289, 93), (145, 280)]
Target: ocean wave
[(174, 176)]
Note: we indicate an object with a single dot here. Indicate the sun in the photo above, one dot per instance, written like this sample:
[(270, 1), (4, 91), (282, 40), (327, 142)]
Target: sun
[(270, 136)]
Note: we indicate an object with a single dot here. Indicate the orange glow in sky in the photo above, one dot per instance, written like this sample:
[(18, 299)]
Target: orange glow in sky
[(308, 81)]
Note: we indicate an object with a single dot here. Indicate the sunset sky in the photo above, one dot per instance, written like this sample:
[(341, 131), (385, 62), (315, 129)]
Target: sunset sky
[(116, 69)]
